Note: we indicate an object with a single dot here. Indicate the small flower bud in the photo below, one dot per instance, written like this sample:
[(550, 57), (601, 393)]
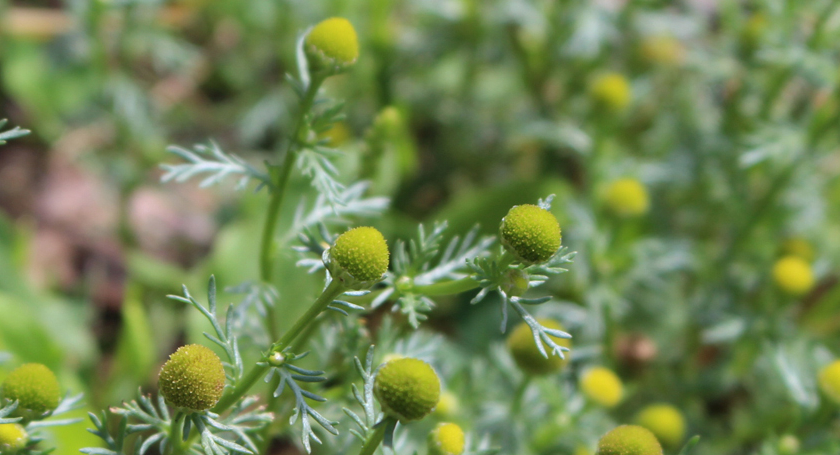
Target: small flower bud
[(611, 92), (13, 437), (332, 45), (602, 386), (627, 197), (193, 378), (35, 388), (665, 422), (448, 406), (793, 275), (531, 233), (359, 257), (829, 379), (629, 440), (446, 439), (788, 445), (526, 354), (407, 388)]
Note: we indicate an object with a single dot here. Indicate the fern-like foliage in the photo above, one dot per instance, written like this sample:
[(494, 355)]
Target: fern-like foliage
[(365, 399), (13, 133), (212, 161)]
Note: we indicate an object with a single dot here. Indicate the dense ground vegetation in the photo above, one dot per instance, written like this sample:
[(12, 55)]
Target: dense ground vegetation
[(193, 169)]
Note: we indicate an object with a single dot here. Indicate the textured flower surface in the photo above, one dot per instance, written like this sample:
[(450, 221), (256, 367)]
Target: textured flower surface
[(793, 275), (335, 38), (665, 422), (446, 439), (627, 197), (407, 388), (526, 354), (35, 388), (362, 254), (629, 440), (193, 378), (602, 386), (531, 233), (13, 437)]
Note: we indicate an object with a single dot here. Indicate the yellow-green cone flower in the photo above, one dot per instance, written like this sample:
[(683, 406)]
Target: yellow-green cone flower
[(407, 388), (526, 354), (602, 386), (193, 378), (35, 388), (793, 275), (665, 422), (829, 379), (13, 437), (359, 258), (627, 197), (629, 440), (332, 45), (531, 233), (611, 92), (446, 439)]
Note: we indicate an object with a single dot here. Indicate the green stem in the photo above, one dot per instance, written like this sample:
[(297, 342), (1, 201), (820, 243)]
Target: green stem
[(176, 433), (274, 206), (374, 440), (332, 291), (447, 287)]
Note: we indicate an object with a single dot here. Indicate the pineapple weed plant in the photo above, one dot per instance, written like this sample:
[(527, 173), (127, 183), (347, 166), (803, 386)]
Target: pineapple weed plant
[(748, 120)]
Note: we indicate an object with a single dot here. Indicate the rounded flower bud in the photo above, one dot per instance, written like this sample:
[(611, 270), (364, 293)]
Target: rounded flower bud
[(13, 437), (665, 422), (526, 354), (602, 386), (788, 445), (332, 45), (407, 388), (629, 440), (359, 257), (448, 405), (611, 91), (35, 388), (829, 379), (193, 378), (793, 275), (531, 233), (446, 439), (627, 197)]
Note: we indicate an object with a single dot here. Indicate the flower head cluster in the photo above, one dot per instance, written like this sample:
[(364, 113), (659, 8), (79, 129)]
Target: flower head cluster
[(665, 422), (193, 378), (408, 389), (526, 354), (629, 440), (359, 257), (793, 275), (531, 233), (13, 437), (446, 439), (602, 386), (332, 45), (627, 197), (35, 388)]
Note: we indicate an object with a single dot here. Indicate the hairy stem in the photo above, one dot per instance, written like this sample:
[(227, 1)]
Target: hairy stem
[(276, 203), (450, 287), (176, 433)]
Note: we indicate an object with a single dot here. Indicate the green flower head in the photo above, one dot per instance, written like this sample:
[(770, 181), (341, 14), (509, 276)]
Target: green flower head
[(446, 439), (13, 437), (526, 354), (332, 44), (629, 440), (359, 257), (193, 378), (665, 422), (35, 388), (531, 233), (407, 388)]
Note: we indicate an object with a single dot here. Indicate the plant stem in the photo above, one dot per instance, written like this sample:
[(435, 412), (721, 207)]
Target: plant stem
[(374, 440), (447, 287), (176, 433), (332, 291), (274, 206)]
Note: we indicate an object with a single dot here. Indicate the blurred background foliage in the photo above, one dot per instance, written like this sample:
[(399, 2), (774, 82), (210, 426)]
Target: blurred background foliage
[(722, 115)]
